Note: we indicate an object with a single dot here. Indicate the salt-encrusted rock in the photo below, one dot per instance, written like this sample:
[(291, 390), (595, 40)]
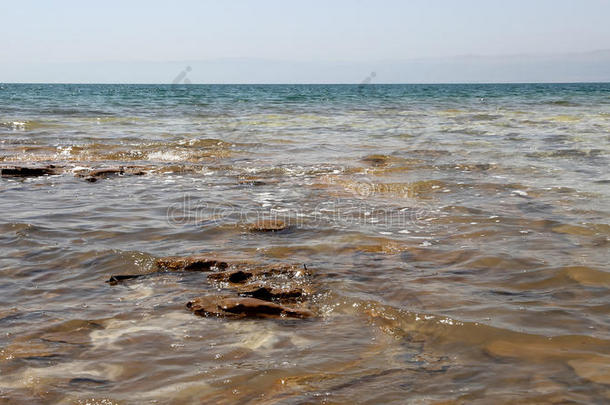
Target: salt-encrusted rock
[(227, 307), (191, 263), (24, 171)]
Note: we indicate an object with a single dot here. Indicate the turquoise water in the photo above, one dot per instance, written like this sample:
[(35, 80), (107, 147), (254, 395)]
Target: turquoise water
[(459, 235)]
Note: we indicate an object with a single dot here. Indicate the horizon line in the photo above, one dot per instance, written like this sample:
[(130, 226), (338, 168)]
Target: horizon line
[(304, 84)]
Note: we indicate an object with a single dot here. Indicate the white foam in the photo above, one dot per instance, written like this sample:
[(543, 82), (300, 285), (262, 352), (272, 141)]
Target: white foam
[(167, 156), (170, 324), (180, 392), (31, 377), (266, 337)]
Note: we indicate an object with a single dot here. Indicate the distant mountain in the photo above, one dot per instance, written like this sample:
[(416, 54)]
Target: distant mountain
[(573, 67)]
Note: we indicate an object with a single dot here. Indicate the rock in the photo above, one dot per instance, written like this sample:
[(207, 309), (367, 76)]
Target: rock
[(280, 283), (115, 279), (376, 160), (235, 276), (530, 350), (103, 173), (174, 263), (236, 308), (263, 290), (191, 263), (252, 182), (268, 226), (271, 293), (244, 273), (22, 171), (106, 172)]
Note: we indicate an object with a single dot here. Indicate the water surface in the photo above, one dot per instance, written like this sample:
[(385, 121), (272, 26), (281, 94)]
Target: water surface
[(459, 235)]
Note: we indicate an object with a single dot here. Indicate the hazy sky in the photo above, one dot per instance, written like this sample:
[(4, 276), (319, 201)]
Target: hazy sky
[(42, 32)]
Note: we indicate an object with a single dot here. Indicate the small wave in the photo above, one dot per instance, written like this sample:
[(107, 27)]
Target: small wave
[(26, 125), (14, 125), (168, 156)]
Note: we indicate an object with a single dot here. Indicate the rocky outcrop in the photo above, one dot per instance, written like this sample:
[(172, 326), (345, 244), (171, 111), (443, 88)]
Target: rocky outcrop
[(24, 171), (191, 263), (94, 175), (261, 290), (241, 274), (281, 293), (176, 263), (241, 307)]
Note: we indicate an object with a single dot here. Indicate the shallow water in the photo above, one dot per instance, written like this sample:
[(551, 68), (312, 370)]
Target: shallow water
[(458, 233)]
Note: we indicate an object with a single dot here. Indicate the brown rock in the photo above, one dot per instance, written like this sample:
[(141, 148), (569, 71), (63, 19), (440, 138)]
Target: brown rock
[(106, 172), (244, 273), (376, 160), (22, 171), (191, 263), (268, 226), (103, 173), (237, 308), (233, 276), (174, 263), (269, 292)]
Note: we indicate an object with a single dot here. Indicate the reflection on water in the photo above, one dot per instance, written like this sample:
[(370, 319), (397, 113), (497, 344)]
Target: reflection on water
[(458, 233)]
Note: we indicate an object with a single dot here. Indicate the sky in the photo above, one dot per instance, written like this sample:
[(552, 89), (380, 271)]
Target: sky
[(57, 40)]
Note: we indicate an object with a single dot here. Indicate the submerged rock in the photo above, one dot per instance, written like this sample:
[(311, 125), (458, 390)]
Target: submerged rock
[(252, 182), (191, 263), (103, 173), (596, 368), (376, 160), (23, 171), (227, 307), (117, 278), (268, 226)]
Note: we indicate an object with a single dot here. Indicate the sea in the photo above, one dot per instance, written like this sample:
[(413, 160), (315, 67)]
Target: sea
[(458, 237)]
